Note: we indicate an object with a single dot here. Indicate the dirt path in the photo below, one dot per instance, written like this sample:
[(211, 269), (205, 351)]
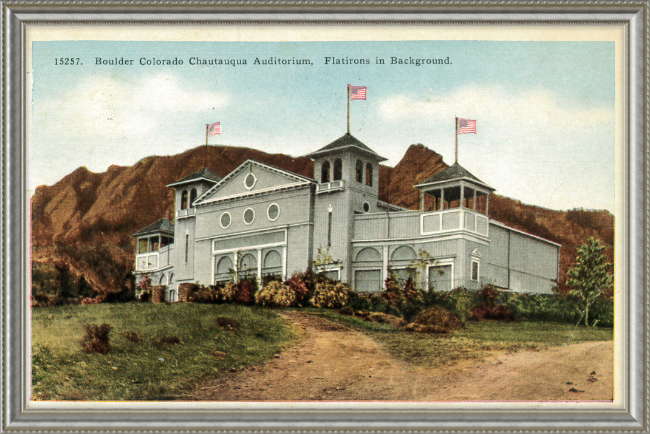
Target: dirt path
[(336, 363)]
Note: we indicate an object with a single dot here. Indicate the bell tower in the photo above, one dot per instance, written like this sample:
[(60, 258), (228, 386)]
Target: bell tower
[(347, 175)]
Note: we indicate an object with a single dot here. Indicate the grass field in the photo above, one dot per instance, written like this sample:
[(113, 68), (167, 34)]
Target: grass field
[(472, 342), (148, 370)]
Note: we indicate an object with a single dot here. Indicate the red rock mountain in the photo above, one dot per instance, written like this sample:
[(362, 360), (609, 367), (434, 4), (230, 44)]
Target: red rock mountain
[(84, 211)]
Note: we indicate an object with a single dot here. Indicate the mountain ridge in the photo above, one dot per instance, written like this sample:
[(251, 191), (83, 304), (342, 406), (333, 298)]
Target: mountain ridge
[(92, 210)]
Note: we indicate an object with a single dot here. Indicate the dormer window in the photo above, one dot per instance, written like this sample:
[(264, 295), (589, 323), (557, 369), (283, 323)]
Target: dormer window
[(325, 172), (338, 169), (369, 174), (359, 171), (184, 200), (193, 195)]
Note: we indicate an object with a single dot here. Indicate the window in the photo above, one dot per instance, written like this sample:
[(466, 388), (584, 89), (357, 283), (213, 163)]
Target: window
[(249, 181), (359, 171), (225, 220), (325, 172), (249, 216), (187, 246), (193, 195), (329, 229), (273, 212), (475, 271), (338, 169), (184, 200), (366, 207), (143, 245), (369, 174)]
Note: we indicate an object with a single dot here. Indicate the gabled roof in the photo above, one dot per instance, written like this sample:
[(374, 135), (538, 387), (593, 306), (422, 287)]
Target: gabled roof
[(162, 226), (344, 142), (452, 173), (244, 165), (204, 174)]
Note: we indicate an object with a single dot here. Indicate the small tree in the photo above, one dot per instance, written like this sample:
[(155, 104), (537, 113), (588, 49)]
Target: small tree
[(591, 275)]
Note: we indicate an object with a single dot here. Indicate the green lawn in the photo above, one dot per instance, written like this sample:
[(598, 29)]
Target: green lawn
[(474, 341), (147, 370)]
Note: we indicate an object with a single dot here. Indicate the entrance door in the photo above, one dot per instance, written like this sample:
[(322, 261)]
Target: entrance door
[(440, 278)]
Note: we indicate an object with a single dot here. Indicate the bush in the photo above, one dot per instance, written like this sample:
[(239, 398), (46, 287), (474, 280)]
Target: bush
[(96, 339), (440, 320), (205, 294), (331, 295), (132, 337), (404, 299), (300, 285), (275, 294), (242, 292), (227, 323)]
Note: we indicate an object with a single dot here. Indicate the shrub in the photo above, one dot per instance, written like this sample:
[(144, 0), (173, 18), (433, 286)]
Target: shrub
[(205, 294), (96, 300), (331, 295), (132, 337), (404, 299), (463, 303), (143, 289), (241, 292), (300, 285), (439, 319), (275, 294), (169, 340), (227, 323), (96, 339)]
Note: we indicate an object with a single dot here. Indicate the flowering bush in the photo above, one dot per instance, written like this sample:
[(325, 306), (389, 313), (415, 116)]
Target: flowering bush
[(96, 300), (404, 299), (205, 294), (275, 294), (299, 284), (331, 295), (242, 292), (143, 289)]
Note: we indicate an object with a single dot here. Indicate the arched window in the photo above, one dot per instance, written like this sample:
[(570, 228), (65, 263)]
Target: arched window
[(338, 169), (184, 200), (369, 174), (359, 170), (325, 172), (193, 195)]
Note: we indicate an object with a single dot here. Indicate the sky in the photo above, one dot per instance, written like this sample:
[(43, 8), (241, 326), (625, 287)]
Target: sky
[(544, 110)]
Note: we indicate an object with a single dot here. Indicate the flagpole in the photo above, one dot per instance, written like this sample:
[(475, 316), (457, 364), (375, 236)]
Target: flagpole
[(205, 157), (456, 153), (348, 109)]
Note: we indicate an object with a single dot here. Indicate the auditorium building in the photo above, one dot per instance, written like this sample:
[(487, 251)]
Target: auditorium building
[(261, 220)]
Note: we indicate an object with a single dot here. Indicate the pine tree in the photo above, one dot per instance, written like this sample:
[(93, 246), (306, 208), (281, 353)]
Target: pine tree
[(591, 274)]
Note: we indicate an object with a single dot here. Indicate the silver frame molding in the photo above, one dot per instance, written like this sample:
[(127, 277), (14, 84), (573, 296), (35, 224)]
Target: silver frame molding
[(17, 15)]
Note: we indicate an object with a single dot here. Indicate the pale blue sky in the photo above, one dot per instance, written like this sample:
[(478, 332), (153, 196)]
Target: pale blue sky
[(544, 110)]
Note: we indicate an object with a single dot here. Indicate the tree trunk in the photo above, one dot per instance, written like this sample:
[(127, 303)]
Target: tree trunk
[(587, 315)]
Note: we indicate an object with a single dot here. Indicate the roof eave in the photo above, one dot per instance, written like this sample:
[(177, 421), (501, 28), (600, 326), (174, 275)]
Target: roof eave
[(191, 181), (321, 152), (433, 184)]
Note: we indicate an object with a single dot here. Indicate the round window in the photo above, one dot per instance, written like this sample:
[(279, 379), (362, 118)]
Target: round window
[(273, 212), (249, 181), (366, 207), (249, 216), (225, 220)]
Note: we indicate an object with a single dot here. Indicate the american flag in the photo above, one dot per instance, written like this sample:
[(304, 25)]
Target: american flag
[(357, 92), (214, 129), (466, 126)]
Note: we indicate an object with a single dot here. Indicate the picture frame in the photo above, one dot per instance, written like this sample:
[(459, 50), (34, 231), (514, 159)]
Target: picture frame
[(18, 414)]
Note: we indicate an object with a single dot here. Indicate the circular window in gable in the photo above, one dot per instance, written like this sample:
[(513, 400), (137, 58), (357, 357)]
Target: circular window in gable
[(249, 216), (366, 207), (225, 220), (273, 212), (249, 181)]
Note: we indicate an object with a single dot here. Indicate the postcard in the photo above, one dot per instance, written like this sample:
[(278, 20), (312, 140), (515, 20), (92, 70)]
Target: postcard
[(358, 216)]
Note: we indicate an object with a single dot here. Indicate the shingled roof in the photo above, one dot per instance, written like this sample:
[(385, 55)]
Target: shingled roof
[(346, 141), (452, 173), (162, 226), (204, 173)]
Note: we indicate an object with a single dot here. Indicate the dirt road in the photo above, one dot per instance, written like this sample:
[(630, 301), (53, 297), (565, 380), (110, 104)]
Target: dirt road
[(336, 363)]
